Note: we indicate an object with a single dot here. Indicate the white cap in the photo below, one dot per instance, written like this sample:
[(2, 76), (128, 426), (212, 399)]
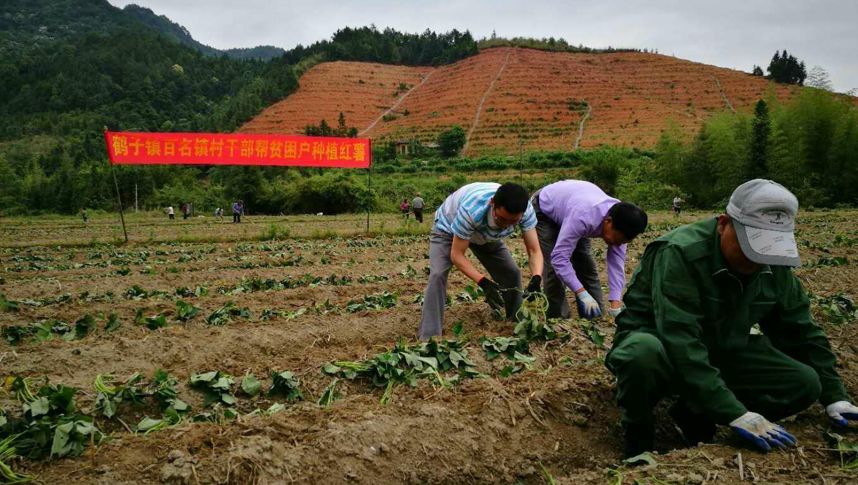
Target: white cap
[(763, 214)]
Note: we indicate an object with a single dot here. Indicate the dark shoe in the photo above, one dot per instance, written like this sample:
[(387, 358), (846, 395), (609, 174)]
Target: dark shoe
[(694, 428), (638, 439)]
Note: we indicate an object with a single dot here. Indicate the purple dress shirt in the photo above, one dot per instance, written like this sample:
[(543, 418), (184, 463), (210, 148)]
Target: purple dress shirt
[(579, 208)]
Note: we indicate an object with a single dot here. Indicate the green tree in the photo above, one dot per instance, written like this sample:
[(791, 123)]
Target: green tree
[(810, 145), (841, 171), (785, 68), (10, 188), (342, 129), (451, 141), (759, 141), (603, 167), (671, 152), (639, 183)]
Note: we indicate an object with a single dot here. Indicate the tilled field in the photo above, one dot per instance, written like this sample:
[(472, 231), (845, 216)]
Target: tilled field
[(299, 304)]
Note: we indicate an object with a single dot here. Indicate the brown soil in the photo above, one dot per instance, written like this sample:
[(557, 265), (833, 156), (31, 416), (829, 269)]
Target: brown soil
[(559, 415)]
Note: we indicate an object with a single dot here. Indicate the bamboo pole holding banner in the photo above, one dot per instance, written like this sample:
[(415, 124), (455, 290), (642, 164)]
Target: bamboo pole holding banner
[(119, 199), (118, 195), (369, 189), (369, 186)]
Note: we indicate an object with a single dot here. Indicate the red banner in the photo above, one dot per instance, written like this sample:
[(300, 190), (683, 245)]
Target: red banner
[(131, 148)]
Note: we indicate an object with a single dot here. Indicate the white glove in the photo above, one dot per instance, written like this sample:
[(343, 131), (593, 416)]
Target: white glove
[(613, 312), (587, 306), (841, 412), (760, 431)]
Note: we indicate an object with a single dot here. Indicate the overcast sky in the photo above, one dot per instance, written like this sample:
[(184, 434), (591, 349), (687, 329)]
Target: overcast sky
[(728, 33)]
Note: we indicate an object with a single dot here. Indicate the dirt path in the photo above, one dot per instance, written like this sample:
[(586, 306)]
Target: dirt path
[(396, 104), (581, 126), (482, 101), (723, 94)]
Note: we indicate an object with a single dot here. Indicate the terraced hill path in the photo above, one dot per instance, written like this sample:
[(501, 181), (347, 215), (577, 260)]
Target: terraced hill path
[(724, 95), (581, 127), (483, 101), (396, 104)]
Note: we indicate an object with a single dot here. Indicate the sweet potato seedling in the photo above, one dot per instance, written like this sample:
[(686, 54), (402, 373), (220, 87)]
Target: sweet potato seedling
[(285, 384), (226, 313), (186, 311), (216, 387), (250, 385), (110, 397), (7, 452)]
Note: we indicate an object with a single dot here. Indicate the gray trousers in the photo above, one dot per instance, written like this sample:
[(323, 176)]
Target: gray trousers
[(582, 262), (494, 256)]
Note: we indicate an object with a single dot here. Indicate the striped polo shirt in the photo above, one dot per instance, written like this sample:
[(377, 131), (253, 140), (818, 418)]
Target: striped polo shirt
[(465, 213)]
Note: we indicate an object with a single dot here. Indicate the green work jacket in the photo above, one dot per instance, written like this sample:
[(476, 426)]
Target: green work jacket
[(683, 293)]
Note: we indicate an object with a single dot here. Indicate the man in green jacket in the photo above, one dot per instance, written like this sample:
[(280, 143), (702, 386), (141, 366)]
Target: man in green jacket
[(689, 330)]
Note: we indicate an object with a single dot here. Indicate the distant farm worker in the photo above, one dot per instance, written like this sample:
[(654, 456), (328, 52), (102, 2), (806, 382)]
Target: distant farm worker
[(677, 205), (479, 216), (417, 206), (170, 212), (569, 213), (404, 208), (219, 213), (687, 329), (186, 210), (84, 215), (237, 211)]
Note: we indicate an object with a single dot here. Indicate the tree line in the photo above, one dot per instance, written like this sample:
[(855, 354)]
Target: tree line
[(388, 46), (809, 144), (59, 95), (784, 68)]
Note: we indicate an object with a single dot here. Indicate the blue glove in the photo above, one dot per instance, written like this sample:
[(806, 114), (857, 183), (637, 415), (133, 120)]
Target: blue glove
[(841, 412), (587, 306), (764, 434)]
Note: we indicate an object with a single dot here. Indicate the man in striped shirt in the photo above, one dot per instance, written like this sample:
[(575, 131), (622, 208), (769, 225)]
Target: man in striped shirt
[(479, 216)]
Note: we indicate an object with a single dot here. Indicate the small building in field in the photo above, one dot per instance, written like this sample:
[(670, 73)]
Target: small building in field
[(405, 148)]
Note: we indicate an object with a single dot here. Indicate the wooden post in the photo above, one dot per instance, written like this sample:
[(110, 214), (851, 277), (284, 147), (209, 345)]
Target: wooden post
[(119, 199), (118, 196), (369, 184), (369, 189)]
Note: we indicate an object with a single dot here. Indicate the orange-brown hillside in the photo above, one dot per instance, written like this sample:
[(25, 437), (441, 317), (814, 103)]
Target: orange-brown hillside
[(551, 100)]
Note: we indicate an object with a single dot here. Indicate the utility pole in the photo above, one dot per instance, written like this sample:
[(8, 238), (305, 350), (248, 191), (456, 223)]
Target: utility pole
[(135, 197), (520, 158)]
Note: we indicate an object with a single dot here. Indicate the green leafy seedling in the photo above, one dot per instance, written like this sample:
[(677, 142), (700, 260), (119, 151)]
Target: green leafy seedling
[(330, 394), (250, 385), (226, 313), (7, 305), (216, 387), (112, 323), (186, 311), (285, 384), (156, 321)]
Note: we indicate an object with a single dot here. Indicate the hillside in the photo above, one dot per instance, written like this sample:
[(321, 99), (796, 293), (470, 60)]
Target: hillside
[(25, 24), (68, 68), (180, 34), (502, 94)]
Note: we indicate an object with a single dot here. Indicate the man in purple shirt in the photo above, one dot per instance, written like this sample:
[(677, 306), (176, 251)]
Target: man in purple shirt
[(568, 214)]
